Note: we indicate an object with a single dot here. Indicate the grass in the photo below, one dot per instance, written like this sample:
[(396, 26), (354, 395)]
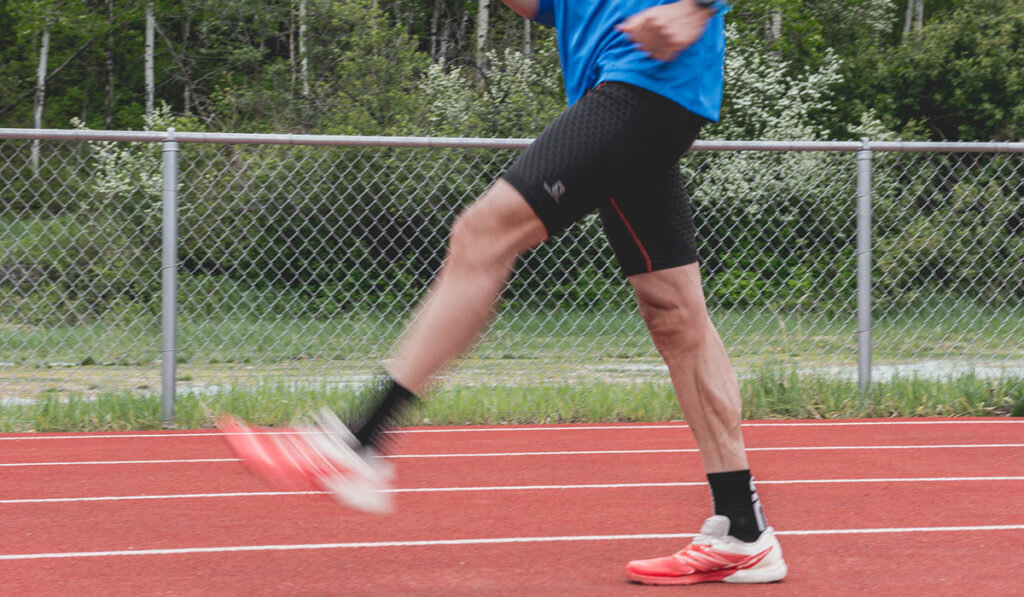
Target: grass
[(773, 393), (534, 366), (952, 328)]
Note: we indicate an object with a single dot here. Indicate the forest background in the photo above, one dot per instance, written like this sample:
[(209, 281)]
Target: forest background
[(284, 249), (835, 69), (333, 226)]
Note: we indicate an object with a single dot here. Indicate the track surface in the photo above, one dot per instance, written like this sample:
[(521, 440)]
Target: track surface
[(907, 507)]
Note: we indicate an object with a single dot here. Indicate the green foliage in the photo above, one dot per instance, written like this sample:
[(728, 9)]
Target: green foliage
[(961, 76), (773, 226), (338, 226), (378, 67), (517, 95), (403, 67), (953, 228)]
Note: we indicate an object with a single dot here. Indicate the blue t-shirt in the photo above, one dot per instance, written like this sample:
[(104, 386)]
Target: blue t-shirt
[(592, 52)]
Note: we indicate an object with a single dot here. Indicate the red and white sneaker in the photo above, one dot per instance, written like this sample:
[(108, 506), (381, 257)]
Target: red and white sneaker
[(714, 556), (320, 456)]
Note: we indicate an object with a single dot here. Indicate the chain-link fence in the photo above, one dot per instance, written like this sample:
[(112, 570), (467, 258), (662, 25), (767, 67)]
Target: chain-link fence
[(298, 260)]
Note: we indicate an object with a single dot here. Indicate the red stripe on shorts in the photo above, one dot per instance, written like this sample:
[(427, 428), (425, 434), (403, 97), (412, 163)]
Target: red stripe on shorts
[(636, 239)]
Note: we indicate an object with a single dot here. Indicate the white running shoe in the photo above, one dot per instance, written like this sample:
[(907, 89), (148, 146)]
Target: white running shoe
[(715, 556), (322, 455), (362, 478)]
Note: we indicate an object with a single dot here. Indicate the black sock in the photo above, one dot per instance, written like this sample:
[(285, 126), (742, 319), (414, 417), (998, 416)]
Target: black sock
[(386, 401), (734, 497)]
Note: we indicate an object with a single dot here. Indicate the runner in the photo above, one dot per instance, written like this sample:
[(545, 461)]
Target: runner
[(642, 78)]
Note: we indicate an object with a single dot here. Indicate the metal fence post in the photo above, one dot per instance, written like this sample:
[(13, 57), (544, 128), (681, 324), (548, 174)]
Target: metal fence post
[(864, 157), (169, 282)]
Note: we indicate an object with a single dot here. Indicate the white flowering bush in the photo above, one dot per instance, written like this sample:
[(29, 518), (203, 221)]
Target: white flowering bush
[(772, 225), (121, 172), (514, 95), (104, 246)]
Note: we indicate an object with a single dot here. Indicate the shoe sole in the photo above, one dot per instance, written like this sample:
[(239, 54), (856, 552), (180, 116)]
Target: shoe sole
[(767, 574)]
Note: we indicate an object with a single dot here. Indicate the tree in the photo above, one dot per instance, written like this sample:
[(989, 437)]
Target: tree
[(40, 95), (961, 77), (108, 92), (518, 95), (286, 65), (747, 201), (303, 53), (483, 16), (378, 67), (149, 60), (914, 19)]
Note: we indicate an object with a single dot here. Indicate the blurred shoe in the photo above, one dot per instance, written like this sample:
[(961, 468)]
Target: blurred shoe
[(320, 456)]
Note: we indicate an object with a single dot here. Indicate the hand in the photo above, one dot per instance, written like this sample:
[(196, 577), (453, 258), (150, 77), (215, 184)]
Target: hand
[(665, 31)]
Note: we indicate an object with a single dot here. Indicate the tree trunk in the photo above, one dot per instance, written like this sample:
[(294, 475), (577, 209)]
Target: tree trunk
[(527, 37), (150, 79), (913, 19), (108, 104), (84, 116), (435, 17), (446, 39), (303, 54), (44, 54), (775, 27), (483, 17), (187, 99), (292, 68)]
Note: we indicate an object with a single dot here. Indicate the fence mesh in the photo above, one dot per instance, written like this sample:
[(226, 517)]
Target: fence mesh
[(300, 265), (949, 271)]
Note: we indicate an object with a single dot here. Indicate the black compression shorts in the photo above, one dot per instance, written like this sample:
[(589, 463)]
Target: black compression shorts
[(616, 150)]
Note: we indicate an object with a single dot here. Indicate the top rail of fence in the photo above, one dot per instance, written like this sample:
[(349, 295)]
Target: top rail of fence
[(484, 143)]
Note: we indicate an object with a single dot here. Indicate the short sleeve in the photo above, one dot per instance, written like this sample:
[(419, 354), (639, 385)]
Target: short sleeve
[(545, 13)]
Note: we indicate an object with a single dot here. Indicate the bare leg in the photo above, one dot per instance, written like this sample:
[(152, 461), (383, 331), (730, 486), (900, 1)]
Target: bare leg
[(485, 241), (672, 304), (342, 459)]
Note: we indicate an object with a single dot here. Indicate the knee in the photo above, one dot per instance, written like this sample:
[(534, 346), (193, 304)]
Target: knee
[(676, 324), (475, 242)]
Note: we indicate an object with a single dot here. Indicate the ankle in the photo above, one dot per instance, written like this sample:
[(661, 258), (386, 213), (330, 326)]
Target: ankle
[(386, 401), (735, 497)]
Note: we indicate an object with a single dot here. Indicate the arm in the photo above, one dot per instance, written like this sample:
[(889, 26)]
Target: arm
[(525, 8), (665, 31)]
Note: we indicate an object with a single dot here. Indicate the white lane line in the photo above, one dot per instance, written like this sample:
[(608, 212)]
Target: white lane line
[(177, 496), (90, 462), (486, 488), (682, 425), (489, 429), (485, 541), (542, 453), (694, 450), (30, 436)]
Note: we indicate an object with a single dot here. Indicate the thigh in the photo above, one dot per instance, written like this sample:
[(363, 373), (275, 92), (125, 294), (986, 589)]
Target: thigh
[(498, 224), (599, 144), (649, 222)]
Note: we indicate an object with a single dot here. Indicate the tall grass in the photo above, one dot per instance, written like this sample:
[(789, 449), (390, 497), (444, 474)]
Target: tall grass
[(535, 365), (773, 393)]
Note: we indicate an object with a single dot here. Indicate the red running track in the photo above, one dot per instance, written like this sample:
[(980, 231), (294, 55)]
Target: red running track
[(908, 507)]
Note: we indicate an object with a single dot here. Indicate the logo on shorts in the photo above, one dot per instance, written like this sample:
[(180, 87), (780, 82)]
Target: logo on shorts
[(555, 190)]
